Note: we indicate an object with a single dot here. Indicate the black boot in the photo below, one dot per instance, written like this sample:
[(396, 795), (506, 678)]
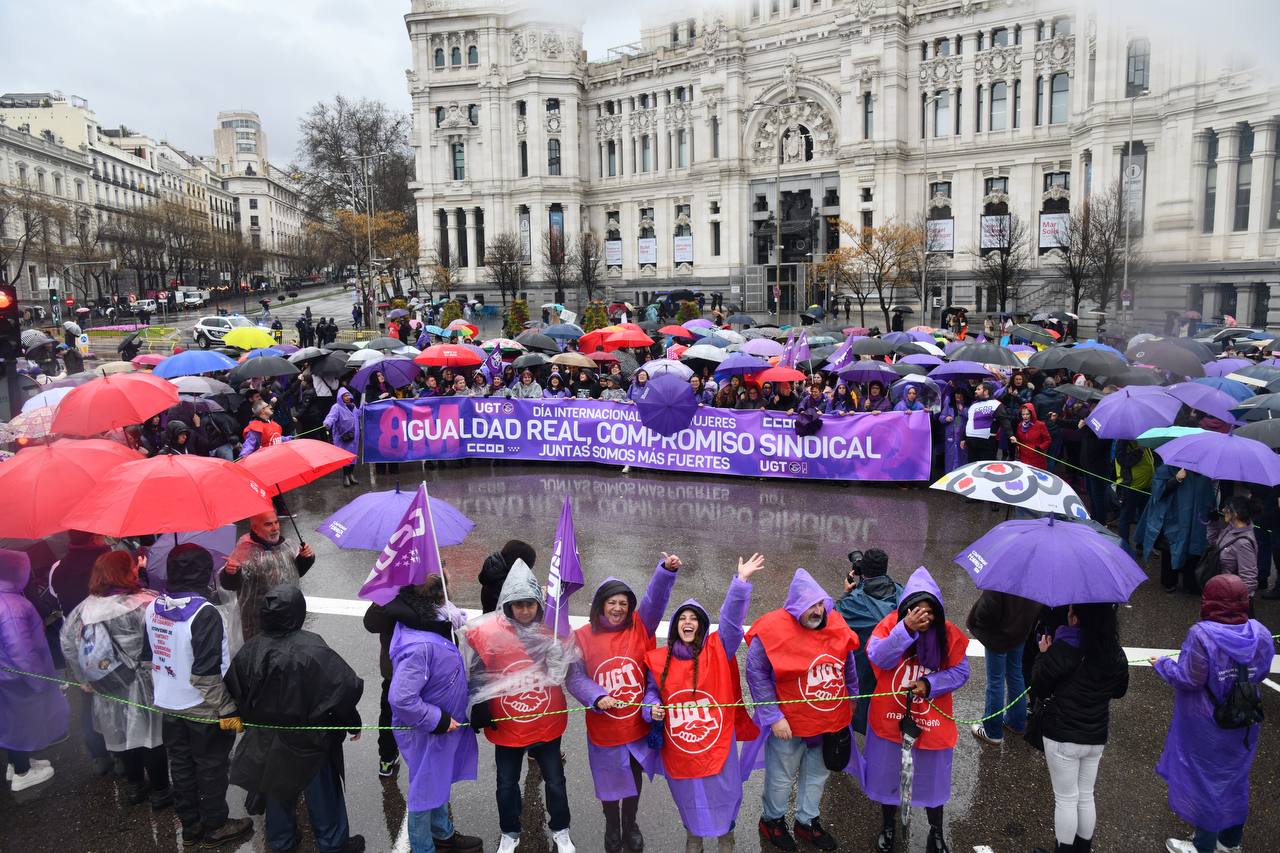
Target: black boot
[(887, 842), (613, 839), (936, 843), (1081, 845)]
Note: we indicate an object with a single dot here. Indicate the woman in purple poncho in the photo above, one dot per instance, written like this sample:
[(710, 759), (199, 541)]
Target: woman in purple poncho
[(1207, 766)]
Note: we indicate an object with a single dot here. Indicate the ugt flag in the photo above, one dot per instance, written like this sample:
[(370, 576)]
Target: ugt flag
[(409, 556), (842, 357), (565, 577), (493, 364)]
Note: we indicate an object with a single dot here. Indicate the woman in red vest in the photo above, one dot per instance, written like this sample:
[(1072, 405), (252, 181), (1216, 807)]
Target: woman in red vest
[(261, 431), (919, 657), (516, 667), (614, 645), (690, 680)]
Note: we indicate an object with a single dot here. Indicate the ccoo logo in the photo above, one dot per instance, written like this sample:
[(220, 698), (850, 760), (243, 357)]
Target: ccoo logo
[(621, 678), (823, 685), (693, 721)]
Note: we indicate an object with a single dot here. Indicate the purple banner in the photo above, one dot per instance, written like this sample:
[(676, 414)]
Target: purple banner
[(889, 446)]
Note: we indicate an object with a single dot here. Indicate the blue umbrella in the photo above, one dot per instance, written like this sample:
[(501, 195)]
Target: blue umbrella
[(1130, 412), (666, 405), (740, 364), (897, 338), (369, 521), (261, 351), (564, 332), (193, 362), (1238, 390), (1096, 345), (399, 372), (437, 331)]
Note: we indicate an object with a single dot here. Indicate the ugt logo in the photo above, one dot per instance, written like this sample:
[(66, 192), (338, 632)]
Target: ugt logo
[(823, 685), (527, 695), (693, 721), (619, 676), (908, 671)]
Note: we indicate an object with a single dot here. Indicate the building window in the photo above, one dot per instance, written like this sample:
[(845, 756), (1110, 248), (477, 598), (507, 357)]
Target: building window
[(941, 113), (693, 29), (253, 221), (646, 153), (1244, 180), (682, 148), (1062, 27), (958, 112), (939, 189), (990, 187), (253, 204), (40, 180), (523, 148), (473, 115), (553, 105), (1017, 104), (57, 185), (520, 109), (675, 33), (553, 156), (977, 110), (868, 114), (459, 161), (1057, 205), (79, 190), (611, 155), (1059, 107), (455, 56), (715, 239), (439, 60), (773, 7), (473, 55), (1000, 37), (1039, 101), (715, 137), (1138, 74), (439, 116), (1274, 219), (646, 213)]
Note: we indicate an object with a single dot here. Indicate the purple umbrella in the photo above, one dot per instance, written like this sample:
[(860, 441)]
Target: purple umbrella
[(960, 370), (952, 346), (666, 405), (898, 338), (399, 372), (1223, 366), (740, 364), (369, 520), (921, 336), (921, 358), (1020, 348), (1202, 398), (1223, 457), (1130, 412), (219, 542), (1054, 564), (869, 371), (762, 347), (699, 323)]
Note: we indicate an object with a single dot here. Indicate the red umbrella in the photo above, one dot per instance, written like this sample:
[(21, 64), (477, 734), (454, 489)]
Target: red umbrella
[(594, 339), (168, 494), (603, 357), (113, 401), (676, 332), (39, 483), (147, 359), (779, 374), (290, 464), (627, 338), (448, 355)]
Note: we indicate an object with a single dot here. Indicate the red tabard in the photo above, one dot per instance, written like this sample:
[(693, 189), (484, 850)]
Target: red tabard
[(615, 661), (808, 669), (269, 432), (885, 714), (503, 654), (698, 737)]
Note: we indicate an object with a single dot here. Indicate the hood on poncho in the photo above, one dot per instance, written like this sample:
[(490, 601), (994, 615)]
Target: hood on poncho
[(1225, 600), (608, 589), (188, 568), (343, 393), (704, 625), (804, 593), (930, 645), (15, 570), (175, 429), (521, 585), (283, 610)]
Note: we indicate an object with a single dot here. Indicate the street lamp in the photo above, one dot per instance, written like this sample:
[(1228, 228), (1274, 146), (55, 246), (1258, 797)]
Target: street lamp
[(1124, 286), (929, 100), (368, 186)]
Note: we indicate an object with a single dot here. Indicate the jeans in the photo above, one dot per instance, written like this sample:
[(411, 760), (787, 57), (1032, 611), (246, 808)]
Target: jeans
[(1073, 769), (1004, 683), (1207, 841), (508, 761), (199, 764), (788, 762), (326, 808), (426, 827), (223, 451), (1132, 505)]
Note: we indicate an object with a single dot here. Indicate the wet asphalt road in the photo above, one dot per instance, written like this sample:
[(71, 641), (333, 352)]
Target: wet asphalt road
[(1001, 795)]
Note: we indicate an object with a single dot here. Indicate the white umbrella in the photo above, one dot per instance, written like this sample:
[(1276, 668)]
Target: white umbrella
[(704, 352), (365, 357), (1014, 484), (730, 336), (407, 350), (46, 398), (71, 327), (665, 365)]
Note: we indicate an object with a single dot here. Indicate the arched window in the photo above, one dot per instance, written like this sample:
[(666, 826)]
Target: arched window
[(455, 56), (553, 156), (439, 57), (473, 55), (1138, 74)]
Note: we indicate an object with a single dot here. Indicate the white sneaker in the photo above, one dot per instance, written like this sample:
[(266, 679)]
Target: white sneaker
[(33, 777), (35, 762), (1179, 845), (980, 732), (508, 844), (1221, 849), (563, 843)]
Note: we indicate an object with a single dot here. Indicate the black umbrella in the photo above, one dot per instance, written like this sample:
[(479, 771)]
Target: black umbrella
[(537, 341), (230, 352), (307, 354), (902, 309), (341, 346), (530, 360), (1262, 407), (332, 365), (681, 294), (987, 354), (1167, 355), (261, 368), (1079, 392), (910, 348), (741, 320), (1267, 431), (1135, 376), (1032, 334), (229, 401), (384, 344), (1202, 351), (1256, 375), (650, 325), (1078, 360), (902, 368), (871, 346)]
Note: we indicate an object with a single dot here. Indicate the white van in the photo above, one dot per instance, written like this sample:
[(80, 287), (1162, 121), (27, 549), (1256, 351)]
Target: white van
[(148, 305)]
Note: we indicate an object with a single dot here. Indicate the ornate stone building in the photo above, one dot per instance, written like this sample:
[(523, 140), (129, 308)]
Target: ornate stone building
[(682, 149)]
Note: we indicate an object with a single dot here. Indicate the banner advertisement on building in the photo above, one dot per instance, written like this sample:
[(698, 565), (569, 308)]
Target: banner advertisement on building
[(647, 250), (1135, 172), (1053, 229), (555, 227), (942, 235), (526, 245), (994, 232), (613, 253), (683, 247), (747, 443)]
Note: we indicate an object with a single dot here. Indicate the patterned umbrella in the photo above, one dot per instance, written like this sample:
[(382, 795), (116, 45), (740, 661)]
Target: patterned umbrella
[(1013, 484)]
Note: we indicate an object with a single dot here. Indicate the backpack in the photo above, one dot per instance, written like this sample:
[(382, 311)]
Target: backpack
[(1241, 707), (1210, 565), (96, 652)]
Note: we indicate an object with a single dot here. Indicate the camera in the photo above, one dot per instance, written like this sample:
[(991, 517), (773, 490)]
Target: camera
[(855, 566)]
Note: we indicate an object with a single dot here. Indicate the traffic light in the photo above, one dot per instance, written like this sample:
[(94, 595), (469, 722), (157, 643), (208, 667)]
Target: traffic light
[(10, 323)]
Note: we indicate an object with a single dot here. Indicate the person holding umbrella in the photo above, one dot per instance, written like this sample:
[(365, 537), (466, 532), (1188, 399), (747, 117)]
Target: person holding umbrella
[(919, 657), (876, 401), (1079, 671), (1179, 500), (343, 424), (1223, 659), (262, 559)]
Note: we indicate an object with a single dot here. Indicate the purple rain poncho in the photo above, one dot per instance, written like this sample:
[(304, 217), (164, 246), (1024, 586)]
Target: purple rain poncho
[(428, 681), (931, 785), (342, 420), (709, 806), (33, 713), (953, 455), (1207, 767), (611, 765)]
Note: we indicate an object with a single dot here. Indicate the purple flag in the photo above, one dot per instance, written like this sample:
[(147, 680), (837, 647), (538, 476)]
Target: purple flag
[(409, 556), (801, 350), (565, 576), (493, 364), (788, 357), (842, 357)]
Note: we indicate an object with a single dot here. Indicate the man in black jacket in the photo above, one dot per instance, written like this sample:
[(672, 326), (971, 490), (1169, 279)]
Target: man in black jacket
[(286, 676), (1002, 623), (493, 574)]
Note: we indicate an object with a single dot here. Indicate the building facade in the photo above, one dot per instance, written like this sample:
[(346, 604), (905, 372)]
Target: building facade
[(683, 150)]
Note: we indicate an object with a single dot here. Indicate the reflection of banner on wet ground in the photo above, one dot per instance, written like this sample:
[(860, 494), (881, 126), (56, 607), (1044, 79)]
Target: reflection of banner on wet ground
[(891, 446)]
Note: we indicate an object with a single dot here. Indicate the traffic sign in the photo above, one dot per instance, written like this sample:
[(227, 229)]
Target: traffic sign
[(164, 294), (1132, 171)]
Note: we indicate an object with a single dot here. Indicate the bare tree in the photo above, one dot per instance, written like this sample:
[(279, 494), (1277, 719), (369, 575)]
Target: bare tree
[(1076, 261), (32, 219), (504, 264), (586, 258), (886, 258), (936, 257), (1107, 246), (555, 260), (1006, 265), (446, 269)]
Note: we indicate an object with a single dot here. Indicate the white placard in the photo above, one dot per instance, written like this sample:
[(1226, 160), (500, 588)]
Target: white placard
[(942, 235), (683, 247), (613, 253), (647, 250), (994, 232), (1053, 229), (567, 316)]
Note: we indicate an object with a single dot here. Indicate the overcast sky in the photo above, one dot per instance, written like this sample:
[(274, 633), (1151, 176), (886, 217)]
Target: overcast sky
[(166, 67)]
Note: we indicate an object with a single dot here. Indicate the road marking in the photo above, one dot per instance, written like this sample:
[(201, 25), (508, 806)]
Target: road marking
[(982, 848), (1270, 683), (1137, 655)]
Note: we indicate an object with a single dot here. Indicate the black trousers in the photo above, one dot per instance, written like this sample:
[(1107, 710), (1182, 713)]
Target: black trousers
[(199, 764), (388, 749), (147, 766)]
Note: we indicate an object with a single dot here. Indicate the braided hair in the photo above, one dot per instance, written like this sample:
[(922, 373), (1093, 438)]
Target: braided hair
[(695, 649)]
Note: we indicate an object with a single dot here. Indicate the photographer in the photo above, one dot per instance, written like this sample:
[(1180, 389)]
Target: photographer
[(869, 595)]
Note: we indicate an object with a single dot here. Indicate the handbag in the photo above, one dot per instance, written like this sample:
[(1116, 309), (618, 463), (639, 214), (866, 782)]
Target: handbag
[(1034, 733)]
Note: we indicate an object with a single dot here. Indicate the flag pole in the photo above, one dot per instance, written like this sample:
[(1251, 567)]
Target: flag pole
[(435, 543)]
